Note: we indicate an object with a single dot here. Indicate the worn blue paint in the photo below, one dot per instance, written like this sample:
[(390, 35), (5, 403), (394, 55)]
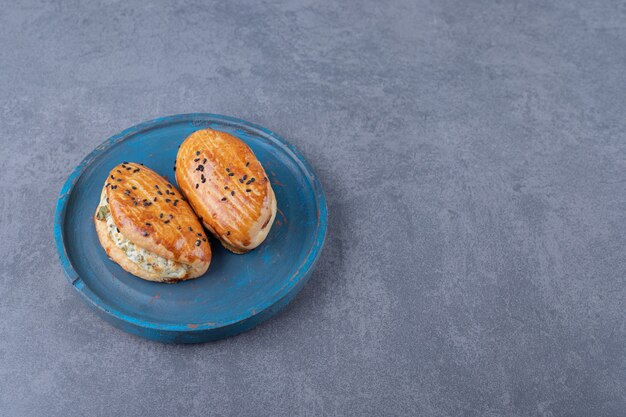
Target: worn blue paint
[(239, 291)]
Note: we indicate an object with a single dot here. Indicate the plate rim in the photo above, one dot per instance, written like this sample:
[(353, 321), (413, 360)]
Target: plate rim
[(96, 302)]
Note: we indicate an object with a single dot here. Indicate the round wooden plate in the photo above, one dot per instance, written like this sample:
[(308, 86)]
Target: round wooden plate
[(238, 291)]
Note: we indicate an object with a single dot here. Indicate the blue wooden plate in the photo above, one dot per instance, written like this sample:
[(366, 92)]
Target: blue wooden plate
[(238, 291)]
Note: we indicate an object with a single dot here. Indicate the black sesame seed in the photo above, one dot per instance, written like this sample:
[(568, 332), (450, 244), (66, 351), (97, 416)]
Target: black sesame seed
[(196, 186), (174, 168), (198, 242), (231, 174), (119, 172), (113, 187), (118, 230), (199, 234), (223, 198), (244, 177), (156, 186), (190, 229), (112, 177), (148, 224), (124, 162), (197, 153), (196, 160), (247, 163), (202, 180), (159, 193), (250, 181), (161, 215), (155, 199), (145, 233), (200, 168), (232, 192), (169, 186), (204, 161), (107, 199), (119, 180), (167, 200), (127, 192), (226, 187), (228, 233), (166, 221), (248, 190), (134, 202), (106, 185), (123, 166), (133, 187), (227, 169), (175, 202), (241, 180), (136, 169), (171, 217)]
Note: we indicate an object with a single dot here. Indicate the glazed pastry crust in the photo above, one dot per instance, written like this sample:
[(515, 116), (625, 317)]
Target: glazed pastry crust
[(227, 187), (152, 214)]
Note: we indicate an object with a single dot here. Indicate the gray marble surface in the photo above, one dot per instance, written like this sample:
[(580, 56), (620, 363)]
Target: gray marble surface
[(474, 159)]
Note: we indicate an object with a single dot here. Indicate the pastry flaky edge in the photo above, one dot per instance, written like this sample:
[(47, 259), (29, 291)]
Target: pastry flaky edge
[(152, 214), (227, 187)]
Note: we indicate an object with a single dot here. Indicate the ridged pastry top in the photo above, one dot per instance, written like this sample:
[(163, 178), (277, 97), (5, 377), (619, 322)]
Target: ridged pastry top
[(227, 187), (150, 212)]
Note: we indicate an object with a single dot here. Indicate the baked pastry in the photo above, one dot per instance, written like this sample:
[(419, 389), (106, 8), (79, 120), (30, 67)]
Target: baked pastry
[(227, 187), (145, 225)]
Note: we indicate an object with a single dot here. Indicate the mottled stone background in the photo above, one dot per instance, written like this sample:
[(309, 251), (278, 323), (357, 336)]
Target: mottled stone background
[(474, 158)]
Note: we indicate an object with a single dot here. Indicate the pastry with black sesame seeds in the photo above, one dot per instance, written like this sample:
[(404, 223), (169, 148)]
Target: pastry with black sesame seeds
[(131, 228), (227, 186)]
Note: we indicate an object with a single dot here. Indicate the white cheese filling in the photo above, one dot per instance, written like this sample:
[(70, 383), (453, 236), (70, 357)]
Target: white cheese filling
[(144, 259)]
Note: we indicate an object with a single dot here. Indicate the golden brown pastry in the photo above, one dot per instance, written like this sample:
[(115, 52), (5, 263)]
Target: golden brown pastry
[(227, 187), (146, 226)]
